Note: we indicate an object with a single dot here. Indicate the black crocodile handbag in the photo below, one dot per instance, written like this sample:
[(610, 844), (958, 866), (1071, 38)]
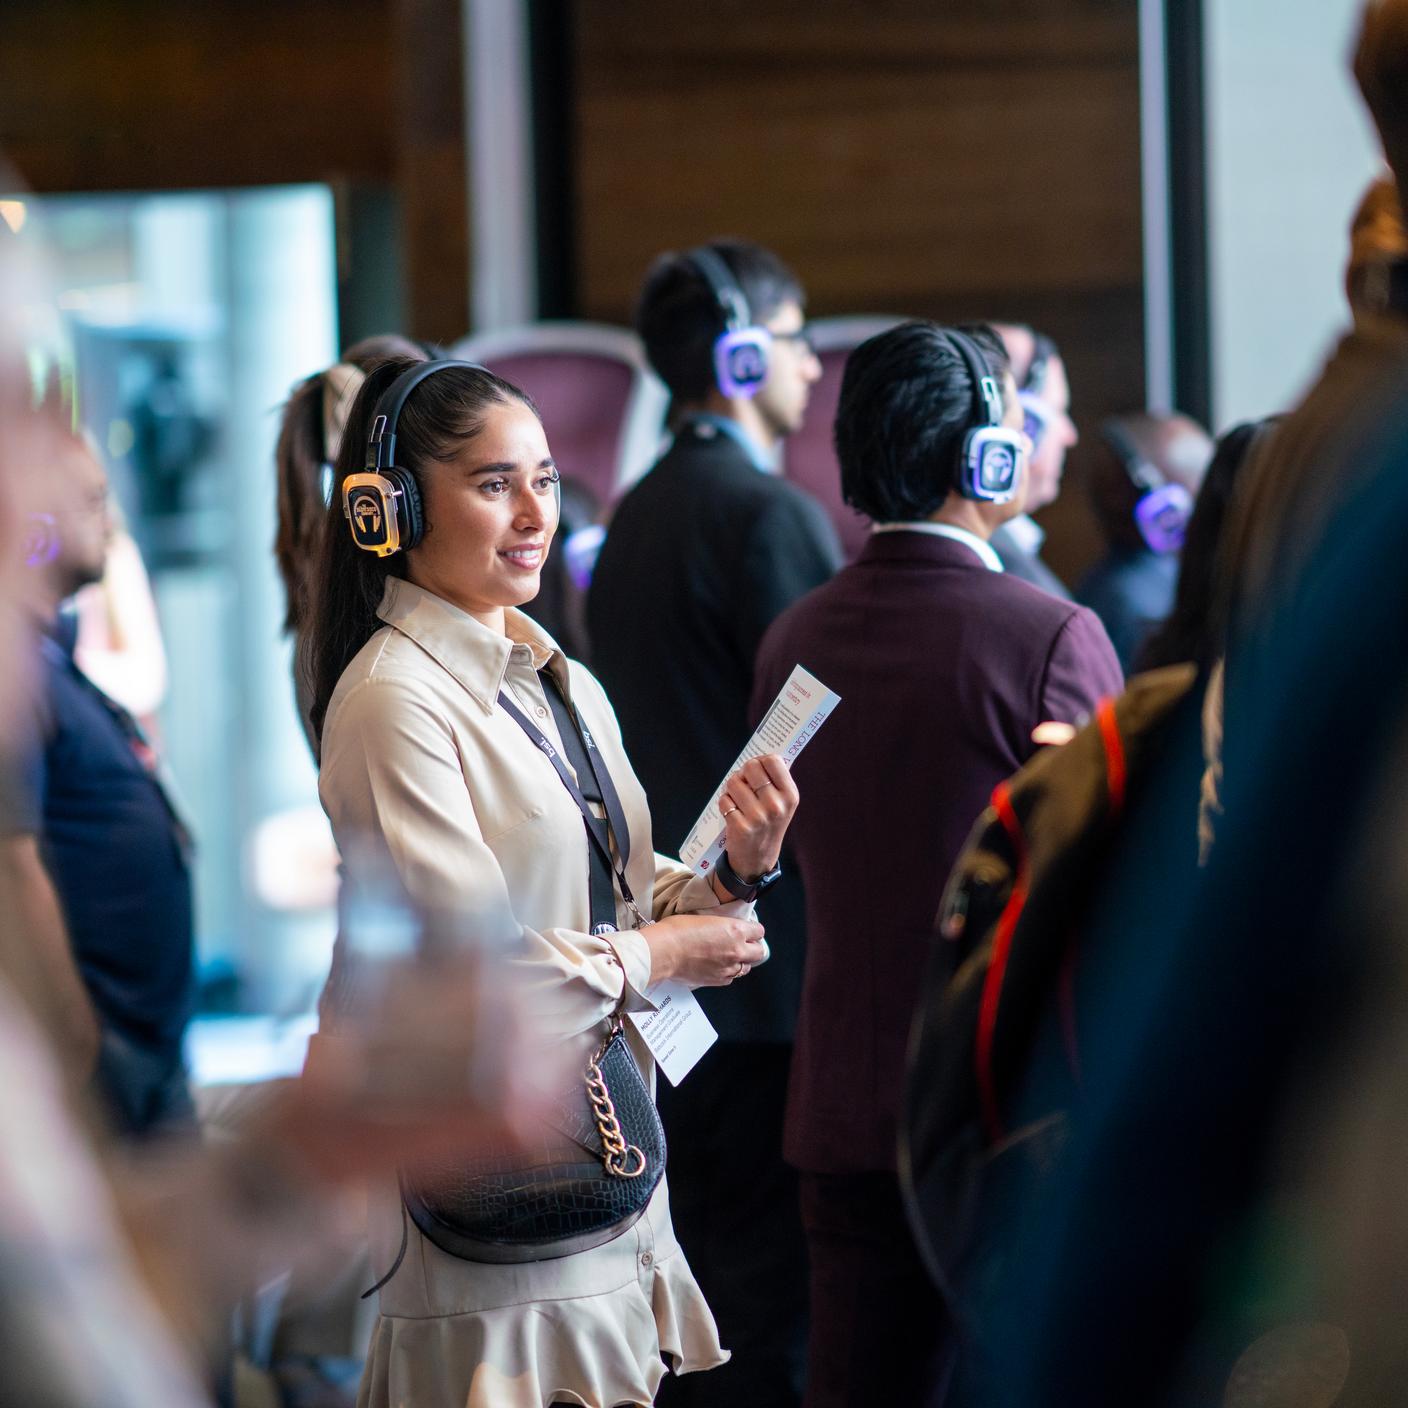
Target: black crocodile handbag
[(588, 1177)]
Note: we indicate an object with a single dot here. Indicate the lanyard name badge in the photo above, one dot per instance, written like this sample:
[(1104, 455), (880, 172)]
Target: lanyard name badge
[(677, 1032)]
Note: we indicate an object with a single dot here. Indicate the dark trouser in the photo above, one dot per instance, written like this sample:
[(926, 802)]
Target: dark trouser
[(880, 1332), (734, 1205)]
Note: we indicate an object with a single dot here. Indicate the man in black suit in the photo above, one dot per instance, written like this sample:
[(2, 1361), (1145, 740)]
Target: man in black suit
[(700, 557), (951, 672)]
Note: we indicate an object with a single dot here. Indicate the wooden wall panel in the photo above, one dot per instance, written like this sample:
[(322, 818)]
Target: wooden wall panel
[(133, 94), (938, 158), (129, 95)]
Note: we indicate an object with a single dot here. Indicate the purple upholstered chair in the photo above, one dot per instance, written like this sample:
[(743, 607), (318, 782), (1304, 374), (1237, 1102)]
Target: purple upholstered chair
[(603, 409)]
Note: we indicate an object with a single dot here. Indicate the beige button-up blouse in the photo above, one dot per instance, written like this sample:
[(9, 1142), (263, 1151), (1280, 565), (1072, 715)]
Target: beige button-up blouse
[(421, 765)]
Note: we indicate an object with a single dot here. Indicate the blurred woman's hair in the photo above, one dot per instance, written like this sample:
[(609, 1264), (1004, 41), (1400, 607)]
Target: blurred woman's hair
[(1191, 631), (310, 434), (443, 413)]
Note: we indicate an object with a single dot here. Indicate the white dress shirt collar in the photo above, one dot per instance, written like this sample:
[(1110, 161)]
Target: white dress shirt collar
[(475, 655), (985, 551)]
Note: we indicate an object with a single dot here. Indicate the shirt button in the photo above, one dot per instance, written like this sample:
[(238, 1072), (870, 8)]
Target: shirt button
[(541, 712), (646, 1258)]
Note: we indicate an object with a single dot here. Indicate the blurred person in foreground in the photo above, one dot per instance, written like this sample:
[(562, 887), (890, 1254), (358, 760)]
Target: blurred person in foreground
[(1045, 391), (119, 645), (117, 1270), (699, 559), (95, 846), (1145, 478), (1298, 477), (944, 660), (1230, 1225), (485, 770)]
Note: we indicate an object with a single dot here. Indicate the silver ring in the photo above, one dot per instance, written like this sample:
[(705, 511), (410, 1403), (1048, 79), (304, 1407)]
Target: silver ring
[(761, 785), (742, 969)]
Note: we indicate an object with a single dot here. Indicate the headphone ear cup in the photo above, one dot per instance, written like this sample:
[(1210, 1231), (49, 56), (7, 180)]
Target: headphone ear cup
[(41, 539), (410, 511), (1162, 517), (741, 361)]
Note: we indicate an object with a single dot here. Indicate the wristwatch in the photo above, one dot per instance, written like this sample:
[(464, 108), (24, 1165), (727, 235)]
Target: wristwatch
[(740, 888)]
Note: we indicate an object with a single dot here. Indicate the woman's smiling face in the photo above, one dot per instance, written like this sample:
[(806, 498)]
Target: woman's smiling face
[(490, 516)]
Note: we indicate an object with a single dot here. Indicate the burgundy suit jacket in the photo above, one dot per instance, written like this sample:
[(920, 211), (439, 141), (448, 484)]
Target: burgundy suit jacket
[(944, 668)]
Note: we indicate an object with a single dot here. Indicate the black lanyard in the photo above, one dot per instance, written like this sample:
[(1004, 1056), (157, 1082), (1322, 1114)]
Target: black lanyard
[(598, 843)]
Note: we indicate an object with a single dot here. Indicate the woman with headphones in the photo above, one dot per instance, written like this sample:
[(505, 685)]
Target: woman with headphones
[(464, 755)]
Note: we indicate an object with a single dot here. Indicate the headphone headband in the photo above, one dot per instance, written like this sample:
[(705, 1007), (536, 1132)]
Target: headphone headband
[(728, 292), (1141, 471), (381, 440), (987, 395)]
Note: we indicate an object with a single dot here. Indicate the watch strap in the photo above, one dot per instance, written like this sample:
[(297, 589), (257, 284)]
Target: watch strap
[(740, 888)]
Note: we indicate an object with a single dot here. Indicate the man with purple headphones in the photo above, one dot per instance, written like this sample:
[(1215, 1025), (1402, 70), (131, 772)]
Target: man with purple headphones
[(699, 559), (952, 673)]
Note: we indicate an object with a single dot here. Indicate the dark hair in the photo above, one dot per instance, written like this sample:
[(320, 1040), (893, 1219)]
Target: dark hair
[(1381, 69), (907, 401), (1190, 631), (678, 315), (443, 412), (299, 457)]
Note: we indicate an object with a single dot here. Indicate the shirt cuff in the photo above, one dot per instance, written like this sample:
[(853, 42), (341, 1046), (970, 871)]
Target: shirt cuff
[(633, 951), (699, 897)]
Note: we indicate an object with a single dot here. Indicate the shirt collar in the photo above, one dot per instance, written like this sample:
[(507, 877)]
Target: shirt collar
[(706, 425), (1025, 533), (985, 551), (467, 649)]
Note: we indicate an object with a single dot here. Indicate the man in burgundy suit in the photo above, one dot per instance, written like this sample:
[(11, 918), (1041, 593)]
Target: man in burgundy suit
[(947, 668)]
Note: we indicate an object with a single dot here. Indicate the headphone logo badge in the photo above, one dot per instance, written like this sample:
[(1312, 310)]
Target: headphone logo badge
[(747, 364), (366, 516)]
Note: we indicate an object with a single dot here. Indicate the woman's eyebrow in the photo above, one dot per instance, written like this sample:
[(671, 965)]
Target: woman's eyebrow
[(504, 467)]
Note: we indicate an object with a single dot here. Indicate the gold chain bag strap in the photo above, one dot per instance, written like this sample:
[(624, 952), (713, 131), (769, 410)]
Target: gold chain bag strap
[(619, 1159)]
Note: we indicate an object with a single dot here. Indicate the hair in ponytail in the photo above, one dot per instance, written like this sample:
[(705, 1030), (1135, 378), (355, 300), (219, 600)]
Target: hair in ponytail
[(309, 433), (443, 412)]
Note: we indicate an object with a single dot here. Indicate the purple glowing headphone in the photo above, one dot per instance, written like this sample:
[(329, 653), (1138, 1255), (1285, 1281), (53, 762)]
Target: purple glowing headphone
[(741, 351), (1164, 507), (993, 458), (41, 539)]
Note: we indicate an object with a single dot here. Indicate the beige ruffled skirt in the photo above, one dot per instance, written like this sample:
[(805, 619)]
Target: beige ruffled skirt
[(593, 1329)]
